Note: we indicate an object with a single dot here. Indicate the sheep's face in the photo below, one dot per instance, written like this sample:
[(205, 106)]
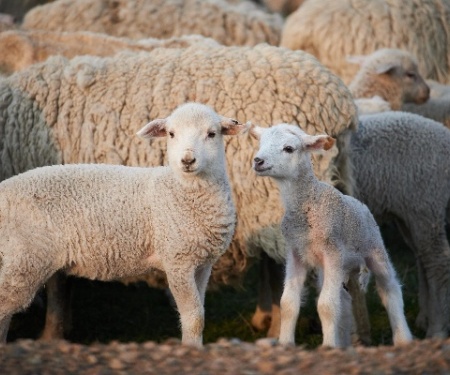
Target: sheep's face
[(194, 139), (284, 150)]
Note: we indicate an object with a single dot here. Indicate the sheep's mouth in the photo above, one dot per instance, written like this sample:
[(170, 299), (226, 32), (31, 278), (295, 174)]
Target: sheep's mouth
[(189, 170)]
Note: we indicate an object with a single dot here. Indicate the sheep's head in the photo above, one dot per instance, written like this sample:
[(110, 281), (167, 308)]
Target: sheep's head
[(194, 138), (284, 149), (392, 74)]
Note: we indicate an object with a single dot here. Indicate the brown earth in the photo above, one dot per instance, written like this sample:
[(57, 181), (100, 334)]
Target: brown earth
[(27, 357)]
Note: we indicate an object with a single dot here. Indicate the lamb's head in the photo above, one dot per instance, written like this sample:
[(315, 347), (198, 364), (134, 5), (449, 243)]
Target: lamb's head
[(194, 139), (392, 74), (284, 149)]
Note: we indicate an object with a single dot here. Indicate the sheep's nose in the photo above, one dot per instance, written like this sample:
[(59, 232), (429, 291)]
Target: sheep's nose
[(188, 160), (258, 161)]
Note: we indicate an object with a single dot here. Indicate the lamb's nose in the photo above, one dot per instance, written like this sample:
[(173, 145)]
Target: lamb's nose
[(187, 161), (258, 161)]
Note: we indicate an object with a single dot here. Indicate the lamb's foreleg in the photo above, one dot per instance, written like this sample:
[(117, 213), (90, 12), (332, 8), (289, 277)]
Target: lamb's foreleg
[(296, 272)]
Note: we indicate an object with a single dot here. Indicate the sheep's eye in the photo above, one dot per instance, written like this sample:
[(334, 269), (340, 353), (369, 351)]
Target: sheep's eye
[(288, 149), (411, 74), (171, 134), (211, 134)]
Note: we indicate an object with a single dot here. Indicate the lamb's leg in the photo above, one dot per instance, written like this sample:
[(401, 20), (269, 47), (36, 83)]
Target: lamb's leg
[(276, 273), (359, 311), (290, 300), (201, 278), (184, 289), (390, 293), (329, 302), (4, 326), (346, 323)]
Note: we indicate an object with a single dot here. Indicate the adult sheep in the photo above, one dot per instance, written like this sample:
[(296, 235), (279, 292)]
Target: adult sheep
[(108, 221), (332, 30), (402, 172), (21, 48), (241, 23), (86, 110)]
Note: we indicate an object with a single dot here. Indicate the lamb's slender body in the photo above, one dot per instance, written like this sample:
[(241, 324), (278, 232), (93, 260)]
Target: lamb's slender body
[(327, 230), (107, 222)]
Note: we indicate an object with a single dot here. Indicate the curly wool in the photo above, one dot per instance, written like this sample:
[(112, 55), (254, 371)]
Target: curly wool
[(88, 110), (21, 48), (332, 30), (242, 23)]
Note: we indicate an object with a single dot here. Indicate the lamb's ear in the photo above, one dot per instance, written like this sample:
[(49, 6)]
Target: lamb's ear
[(256, 131), (318, 142), (356, 59), (231, 126), (155, 128)]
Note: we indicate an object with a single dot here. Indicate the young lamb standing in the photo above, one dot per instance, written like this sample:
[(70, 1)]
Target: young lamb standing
[(325, 229), (106, 221)]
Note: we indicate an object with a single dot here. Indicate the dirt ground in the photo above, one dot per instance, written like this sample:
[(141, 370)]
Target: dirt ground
[(28, 357)]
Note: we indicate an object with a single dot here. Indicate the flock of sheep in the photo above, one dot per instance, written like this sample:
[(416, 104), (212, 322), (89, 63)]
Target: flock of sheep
[(80, 78)]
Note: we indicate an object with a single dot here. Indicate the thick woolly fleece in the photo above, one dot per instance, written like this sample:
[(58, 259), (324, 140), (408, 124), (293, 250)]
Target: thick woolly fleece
[(87, 110), (23, 48), (392, 75), (437, 109), (402, 172), (240, 23), (332, 30)]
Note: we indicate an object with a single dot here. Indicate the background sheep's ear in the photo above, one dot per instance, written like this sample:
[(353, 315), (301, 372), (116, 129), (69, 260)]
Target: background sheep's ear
[(256, 131), (356, 59), (231, 126), (386, 68), (155, 128), (318, 142)]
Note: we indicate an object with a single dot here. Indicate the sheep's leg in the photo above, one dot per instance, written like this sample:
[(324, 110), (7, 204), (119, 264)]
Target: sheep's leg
[(276, 273), (184, 289), (433, 257), (201, 279), (290, 300), (359, 311), (390, 293), (57, 317), (261, 319), (4, 326), (346, 322), (329, 302)]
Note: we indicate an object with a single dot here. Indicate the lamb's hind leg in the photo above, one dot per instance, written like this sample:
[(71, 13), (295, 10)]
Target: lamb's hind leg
[(390, 293)]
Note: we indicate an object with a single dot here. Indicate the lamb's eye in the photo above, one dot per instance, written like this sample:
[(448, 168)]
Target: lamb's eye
[(171, 134), (211, 134), (411, 75), (288, 149)]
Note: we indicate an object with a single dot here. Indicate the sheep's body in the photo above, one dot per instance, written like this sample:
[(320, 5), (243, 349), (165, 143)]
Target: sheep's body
[(241, 23), (24, 48), (402, 172), (328, 230), (285, 7), (85, 110), (332, 30), (107, 222), (376, 104), (437, 109), (390, 74)]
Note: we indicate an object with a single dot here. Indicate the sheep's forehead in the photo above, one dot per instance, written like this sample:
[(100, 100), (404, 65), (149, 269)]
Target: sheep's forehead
[(282, 134), (395, 57), (194, 116)]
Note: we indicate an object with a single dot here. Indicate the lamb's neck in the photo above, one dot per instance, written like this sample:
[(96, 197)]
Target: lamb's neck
[(297, 191)]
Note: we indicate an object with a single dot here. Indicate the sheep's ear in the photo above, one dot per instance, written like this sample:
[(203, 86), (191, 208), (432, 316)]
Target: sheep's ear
[(231, 126), (155, 128), (318, 142), (386, 68), (256, 131), (356, 59)]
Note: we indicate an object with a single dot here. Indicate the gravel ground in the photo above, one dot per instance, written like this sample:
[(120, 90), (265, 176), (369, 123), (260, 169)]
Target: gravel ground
[(27, 357)]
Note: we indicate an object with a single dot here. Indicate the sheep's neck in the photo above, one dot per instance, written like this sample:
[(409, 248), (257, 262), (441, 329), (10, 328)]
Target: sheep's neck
[(297, 191)]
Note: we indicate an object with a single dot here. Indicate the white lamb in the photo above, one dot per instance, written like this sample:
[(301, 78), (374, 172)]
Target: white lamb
[(324, 229), (106, 221)]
